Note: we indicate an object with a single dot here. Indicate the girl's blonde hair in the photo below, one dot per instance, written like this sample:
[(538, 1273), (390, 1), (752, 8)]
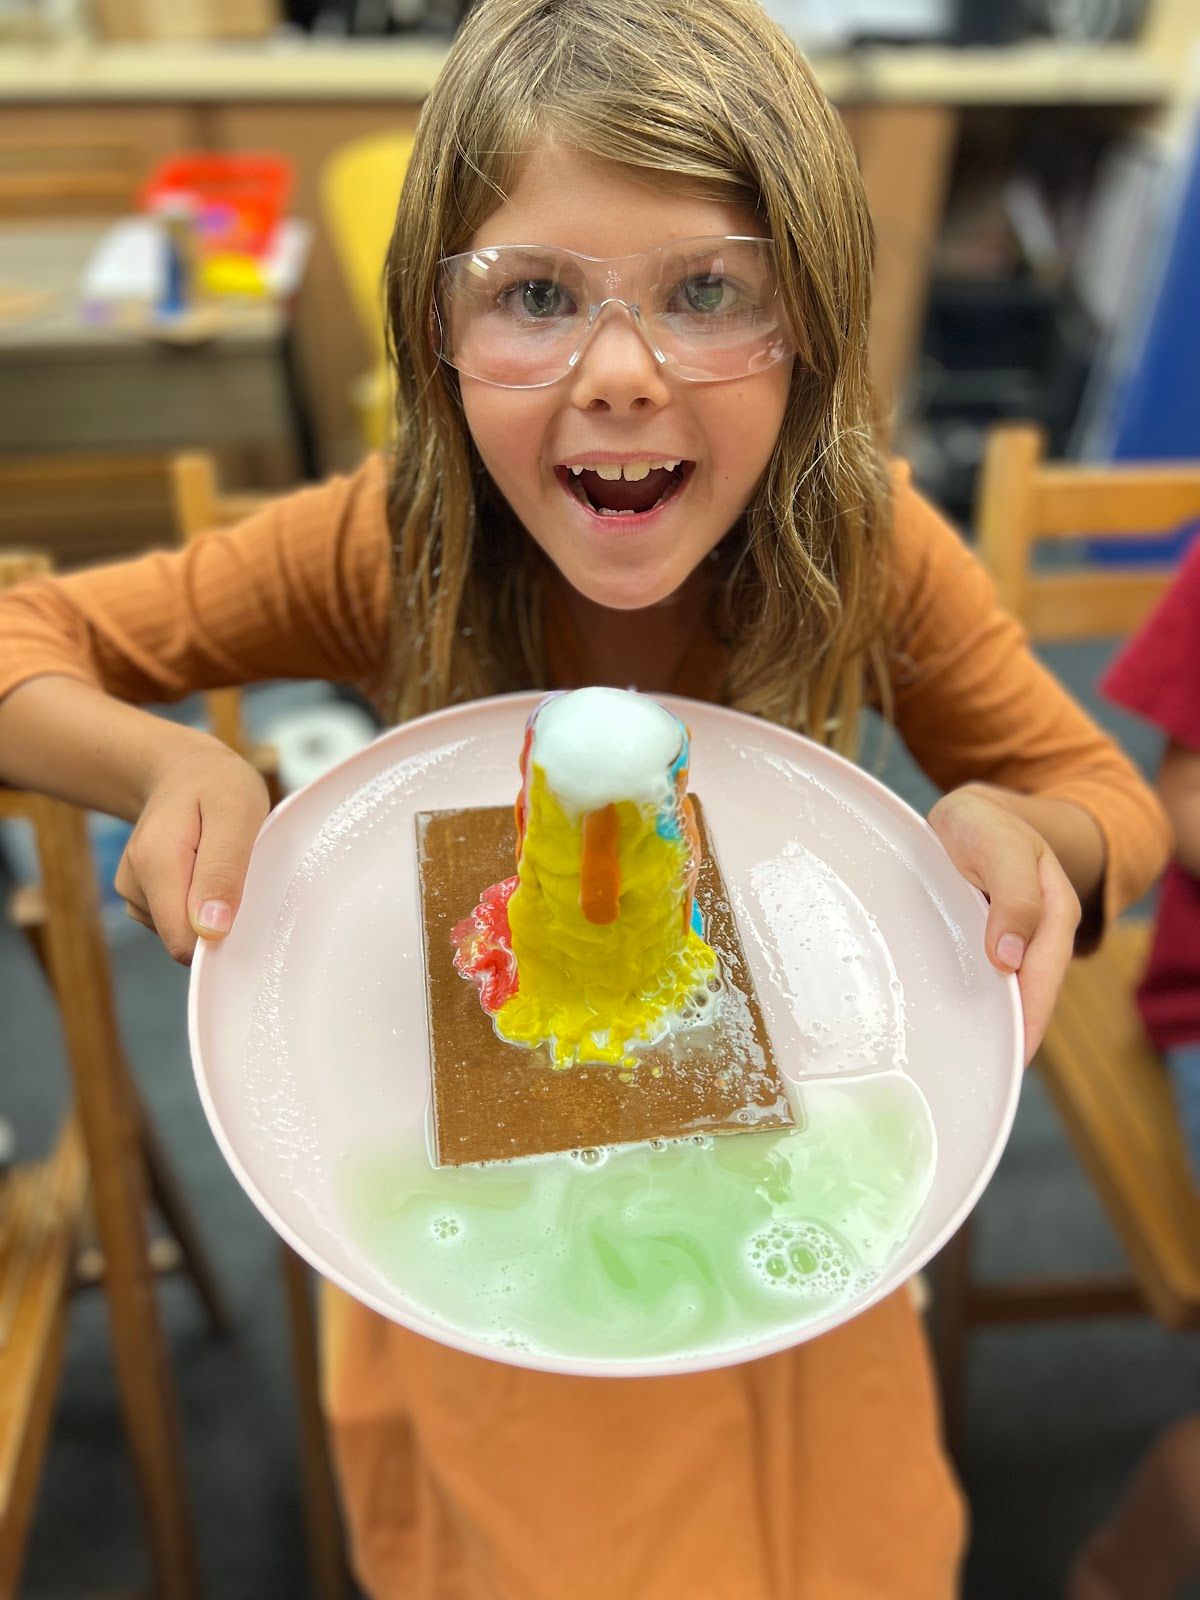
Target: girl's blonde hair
[(712, 95)]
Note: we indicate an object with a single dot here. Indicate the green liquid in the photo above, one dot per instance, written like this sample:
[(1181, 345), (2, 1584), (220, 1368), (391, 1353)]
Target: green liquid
[(649, 1251)]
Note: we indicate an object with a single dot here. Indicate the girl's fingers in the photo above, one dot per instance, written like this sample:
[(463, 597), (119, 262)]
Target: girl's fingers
[(128, 885), (184, 866), (1033, 910), (1016, 907), (227, 836), (1049, 952), (998, 853), (154, 875)]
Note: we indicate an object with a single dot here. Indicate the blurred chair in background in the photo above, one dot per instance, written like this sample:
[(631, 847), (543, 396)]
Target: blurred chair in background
[(360, 184), (80, 509), (109, 1149), (106, 1164), (1105, 1080)]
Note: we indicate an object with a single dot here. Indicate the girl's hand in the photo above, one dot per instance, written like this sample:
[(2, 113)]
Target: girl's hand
[(1034, 910), (183, 869)]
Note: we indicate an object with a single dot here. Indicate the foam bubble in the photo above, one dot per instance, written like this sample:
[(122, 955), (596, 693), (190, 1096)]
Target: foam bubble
[(593, 1156), (600, 745), (801, 1257)]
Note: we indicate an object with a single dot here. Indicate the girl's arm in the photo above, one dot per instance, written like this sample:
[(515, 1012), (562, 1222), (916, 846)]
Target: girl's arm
[(979, 710), (1070, 832), (1042, 810), (302, 589), (197, 807), (70, 739)]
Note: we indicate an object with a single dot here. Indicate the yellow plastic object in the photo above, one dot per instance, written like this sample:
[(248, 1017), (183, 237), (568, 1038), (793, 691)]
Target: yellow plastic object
[(232, 274), (360, 184)]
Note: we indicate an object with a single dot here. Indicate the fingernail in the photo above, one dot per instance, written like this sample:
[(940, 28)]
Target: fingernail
[(214, 916), (1011, 950)]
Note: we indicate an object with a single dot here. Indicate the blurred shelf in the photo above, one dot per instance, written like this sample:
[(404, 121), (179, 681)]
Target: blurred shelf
[(1039, 73), (365, 70)]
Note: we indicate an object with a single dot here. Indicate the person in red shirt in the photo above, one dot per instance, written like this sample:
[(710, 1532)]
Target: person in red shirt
[(1151, 1545), (1157, 676)]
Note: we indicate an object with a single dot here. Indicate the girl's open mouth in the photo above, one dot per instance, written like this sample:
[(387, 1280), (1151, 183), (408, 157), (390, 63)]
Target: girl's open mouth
[(621, 499)]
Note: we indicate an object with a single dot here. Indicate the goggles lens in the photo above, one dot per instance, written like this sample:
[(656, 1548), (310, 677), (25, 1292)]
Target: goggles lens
[(518, 315)]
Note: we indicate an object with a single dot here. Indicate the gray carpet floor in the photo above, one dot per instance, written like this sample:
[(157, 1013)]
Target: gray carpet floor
[(1057, 1415)]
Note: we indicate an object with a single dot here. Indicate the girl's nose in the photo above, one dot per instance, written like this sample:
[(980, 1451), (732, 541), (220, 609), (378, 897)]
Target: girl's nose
[(617, 369)]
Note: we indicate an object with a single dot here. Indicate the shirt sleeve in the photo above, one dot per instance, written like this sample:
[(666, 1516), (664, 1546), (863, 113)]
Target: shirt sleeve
[(972, 702), (301, 589), (1157, 675)]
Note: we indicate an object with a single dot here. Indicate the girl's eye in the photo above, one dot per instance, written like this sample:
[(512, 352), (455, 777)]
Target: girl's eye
[(705, 295), (538, 298)]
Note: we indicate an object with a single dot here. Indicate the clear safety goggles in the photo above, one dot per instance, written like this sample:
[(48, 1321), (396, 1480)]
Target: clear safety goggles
[(519, 315)]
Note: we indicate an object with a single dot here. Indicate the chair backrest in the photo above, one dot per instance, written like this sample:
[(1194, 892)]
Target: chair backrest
[(1025, 501), (360, 184), (83, 508), (199, 505)]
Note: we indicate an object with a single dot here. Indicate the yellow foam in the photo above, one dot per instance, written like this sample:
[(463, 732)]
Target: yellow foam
[(593, 992)]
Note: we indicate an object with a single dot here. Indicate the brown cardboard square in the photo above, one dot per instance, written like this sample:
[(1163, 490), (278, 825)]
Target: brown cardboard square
[(494, 1100)]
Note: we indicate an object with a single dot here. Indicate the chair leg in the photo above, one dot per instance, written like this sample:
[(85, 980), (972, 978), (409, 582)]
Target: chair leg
[(165, 1189), (77, 962), (951, 1304), (177, 1214), (323, 1518)]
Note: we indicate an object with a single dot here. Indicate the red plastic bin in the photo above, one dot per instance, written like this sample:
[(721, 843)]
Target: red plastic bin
[(240, 197)]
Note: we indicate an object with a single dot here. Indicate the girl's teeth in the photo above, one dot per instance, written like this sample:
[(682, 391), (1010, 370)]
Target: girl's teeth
[(631, 471)]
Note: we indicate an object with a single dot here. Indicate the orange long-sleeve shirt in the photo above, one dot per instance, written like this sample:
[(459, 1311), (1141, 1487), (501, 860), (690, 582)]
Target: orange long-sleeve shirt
[(816, 1474)]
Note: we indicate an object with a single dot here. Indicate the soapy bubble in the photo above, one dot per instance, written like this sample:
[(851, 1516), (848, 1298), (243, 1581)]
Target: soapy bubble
[(803, 1258)]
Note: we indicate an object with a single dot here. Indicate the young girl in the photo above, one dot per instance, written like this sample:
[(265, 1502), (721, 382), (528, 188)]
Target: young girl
[(627, 299)]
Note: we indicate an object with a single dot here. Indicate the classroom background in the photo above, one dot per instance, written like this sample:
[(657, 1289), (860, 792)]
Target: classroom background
[(194, 202)]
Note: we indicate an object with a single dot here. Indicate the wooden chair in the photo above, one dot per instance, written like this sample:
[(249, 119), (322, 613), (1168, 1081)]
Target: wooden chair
[(108, 1150), (78, 509), (105, 1166), (1102, 1075)]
